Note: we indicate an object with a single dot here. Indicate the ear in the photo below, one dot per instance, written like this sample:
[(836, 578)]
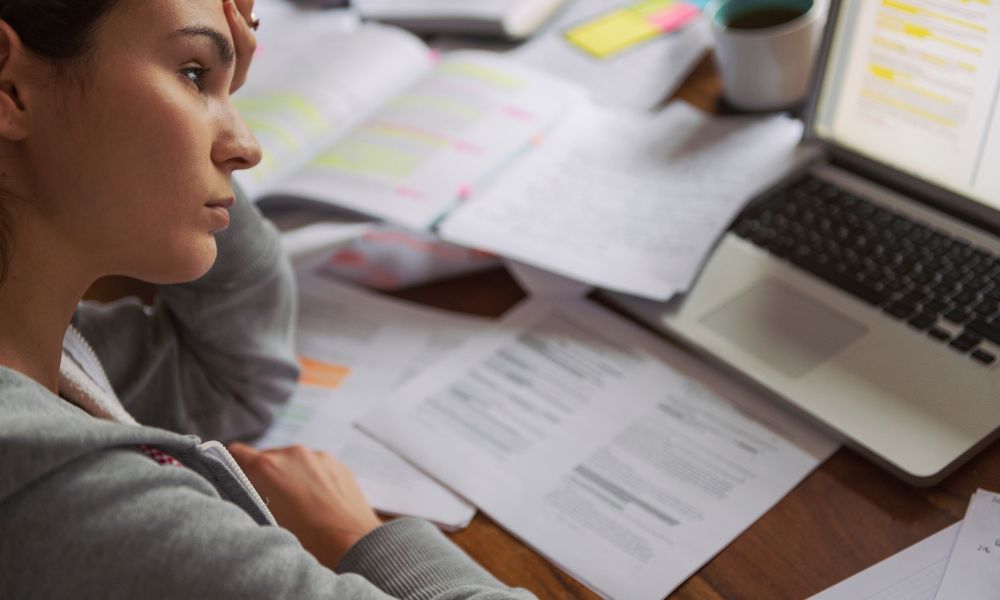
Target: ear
[(13, 62)]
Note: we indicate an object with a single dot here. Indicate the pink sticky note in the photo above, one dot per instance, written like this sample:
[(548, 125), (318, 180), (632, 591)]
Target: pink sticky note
[(674, 17)]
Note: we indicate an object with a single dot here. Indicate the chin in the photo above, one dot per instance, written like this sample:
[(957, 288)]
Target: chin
[(184, 265)]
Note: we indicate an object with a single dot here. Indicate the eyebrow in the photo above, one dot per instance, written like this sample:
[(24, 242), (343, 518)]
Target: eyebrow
[(222, 44)]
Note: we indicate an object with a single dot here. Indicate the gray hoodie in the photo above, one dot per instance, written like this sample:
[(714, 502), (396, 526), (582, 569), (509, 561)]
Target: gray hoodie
[(85, 514)]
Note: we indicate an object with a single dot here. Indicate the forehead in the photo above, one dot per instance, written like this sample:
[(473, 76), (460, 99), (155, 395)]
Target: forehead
[(152, 21)]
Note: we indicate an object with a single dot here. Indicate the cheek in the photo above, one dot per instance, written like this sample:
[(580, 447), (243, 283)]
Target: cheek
[(142, 183)]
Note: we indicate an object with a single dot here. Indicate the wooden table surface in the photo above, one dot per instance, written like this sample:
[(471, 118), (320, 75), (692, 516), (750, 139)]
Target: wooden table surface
[(844, 517)]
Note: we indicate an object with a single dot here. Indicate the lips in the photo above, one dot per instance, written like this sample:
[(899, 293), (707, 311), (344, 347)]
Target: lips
[(221, 203)]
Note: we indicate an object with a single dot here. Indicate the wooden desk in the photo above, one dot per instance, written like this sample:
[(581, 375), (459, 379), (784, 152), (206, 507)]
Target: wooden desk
[(844, 517)]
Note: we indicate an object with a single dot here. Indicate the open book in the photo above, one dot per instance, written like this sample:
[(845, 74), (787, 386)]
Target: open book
[(374, 122)]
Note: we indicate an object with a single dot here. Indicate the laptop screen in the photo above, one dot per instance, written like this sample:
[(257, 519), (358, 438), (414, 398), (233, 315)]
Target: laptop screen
[(914, 84)]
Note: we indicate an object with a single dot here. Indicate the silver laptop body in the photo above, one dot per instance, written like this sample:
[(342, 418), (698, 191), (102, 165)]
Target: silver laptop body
[(892, 76)]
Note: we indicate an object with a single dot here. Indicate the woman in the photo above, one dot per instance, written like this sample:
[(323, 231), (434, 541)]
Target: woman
[(117, 145)]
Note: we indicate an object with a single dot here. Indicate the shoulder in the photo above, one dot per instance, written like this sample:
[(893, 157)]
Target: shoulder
[(40, 433)]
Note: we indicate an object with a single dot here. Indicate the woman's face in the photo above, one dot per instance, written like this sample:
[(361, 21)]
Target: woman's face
[(133, 160)]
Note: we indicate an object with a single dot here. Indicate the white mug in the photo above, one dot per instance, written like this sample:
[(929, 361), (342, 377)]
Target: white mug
[(771, 67)]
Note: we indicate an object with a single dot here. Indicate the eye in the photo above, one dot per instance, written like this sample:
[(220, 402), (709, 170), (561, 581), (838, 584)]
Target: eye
[(196, 75)]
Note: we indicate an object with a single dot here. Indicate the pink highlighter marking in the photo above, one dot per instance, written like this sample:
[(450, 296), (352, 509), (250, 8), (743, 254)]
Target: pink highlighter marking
[(464, 192), (468, 148), (674, 17), (409, 193), (518, 113)]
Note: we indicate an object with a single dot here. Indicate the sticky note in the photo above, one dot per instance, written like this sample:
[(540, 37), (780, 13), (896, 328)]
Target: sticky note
[(618, 30), (675, 17), (613, 33), (327, 375)]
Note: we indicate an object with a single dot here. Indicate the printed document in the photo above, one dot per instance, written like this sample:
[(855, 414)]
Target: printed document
[(354, 347), (973, 571), (566, 424), (628, 201)]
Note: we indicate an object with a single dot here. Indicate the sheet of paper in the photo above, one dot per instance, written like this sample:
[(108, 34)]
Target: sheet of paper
[(428, 147), (355, 346), (973, 571), (913, 574), (627, 54), (314, 77), (568, 427), (540, 283), (627, 201)]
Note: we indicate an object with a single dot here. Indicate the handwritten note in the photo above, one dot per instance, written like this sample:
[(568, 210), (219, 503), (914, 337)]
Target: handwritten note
[(631, 202), (973, 572)]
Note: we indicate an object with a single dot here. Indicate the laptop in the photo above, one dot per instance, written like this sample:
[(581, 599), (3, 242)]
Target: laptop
[(864, 289)]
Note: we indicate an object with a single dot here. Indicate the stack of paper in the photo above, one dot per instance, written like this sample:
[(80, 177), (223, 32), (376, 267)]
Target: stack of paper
[(565, 424), (354, 348), (961, 562)]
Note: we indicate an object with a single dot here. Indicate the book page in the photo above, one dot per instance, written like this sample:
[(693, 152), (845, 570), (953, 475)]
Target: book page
[(410, 162), (567, 425), (628, 54), (313, 78), (627, 201), (355, 347)]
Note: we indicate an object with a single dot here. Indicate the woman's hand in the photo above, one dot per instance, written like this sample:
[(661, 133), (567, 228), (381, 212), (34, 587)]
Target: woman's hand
[(312, 495), (239, 14)]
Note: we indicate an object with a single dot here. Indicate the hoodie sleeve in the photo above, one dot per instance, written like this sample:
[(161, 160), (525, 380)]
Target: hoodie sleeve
[(213, 357), (115, 525)]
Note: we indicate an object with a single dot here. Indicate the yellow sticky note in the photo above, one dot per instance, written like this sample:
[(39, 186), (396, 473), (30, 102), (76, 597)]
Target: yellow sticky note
[(612, 33)]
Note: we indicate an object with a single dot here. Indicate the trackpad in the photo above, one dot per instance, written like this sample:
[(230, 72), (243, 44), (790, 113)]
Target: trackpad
[(784, 327)]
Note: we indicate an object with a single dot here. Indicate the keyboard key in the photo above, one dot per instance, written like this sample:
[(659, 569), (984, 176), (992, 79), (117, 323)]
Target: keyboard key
[(936, 306), (923, 321), (957, 316), (986, 308), (986, 329), (984, 357), (965, 342), (939, 334), (901, 309)]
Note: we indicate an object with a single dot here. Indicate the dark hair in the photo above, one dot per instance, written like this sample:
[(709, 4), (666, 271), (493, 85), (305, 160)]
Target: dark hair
[(60, 31)]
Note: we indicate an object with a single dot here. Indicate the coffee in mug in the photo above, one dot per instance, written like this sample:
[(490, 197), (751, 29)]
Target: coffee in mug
[(766, 49)]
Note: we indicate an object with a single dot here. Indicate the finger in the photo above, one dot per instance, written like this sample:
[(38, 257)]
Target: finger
[(244, 42), (245, 8), (241, 452)]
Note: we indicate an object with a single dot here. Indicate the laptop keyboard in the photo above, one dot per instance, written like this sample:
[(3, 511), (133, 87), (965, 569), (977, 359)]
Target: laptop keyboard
[(937, 284)]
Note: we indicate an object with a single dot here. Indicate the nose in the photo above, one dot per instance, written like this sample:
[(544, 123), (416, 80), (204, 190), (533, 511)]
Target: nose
[(236, 148)]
